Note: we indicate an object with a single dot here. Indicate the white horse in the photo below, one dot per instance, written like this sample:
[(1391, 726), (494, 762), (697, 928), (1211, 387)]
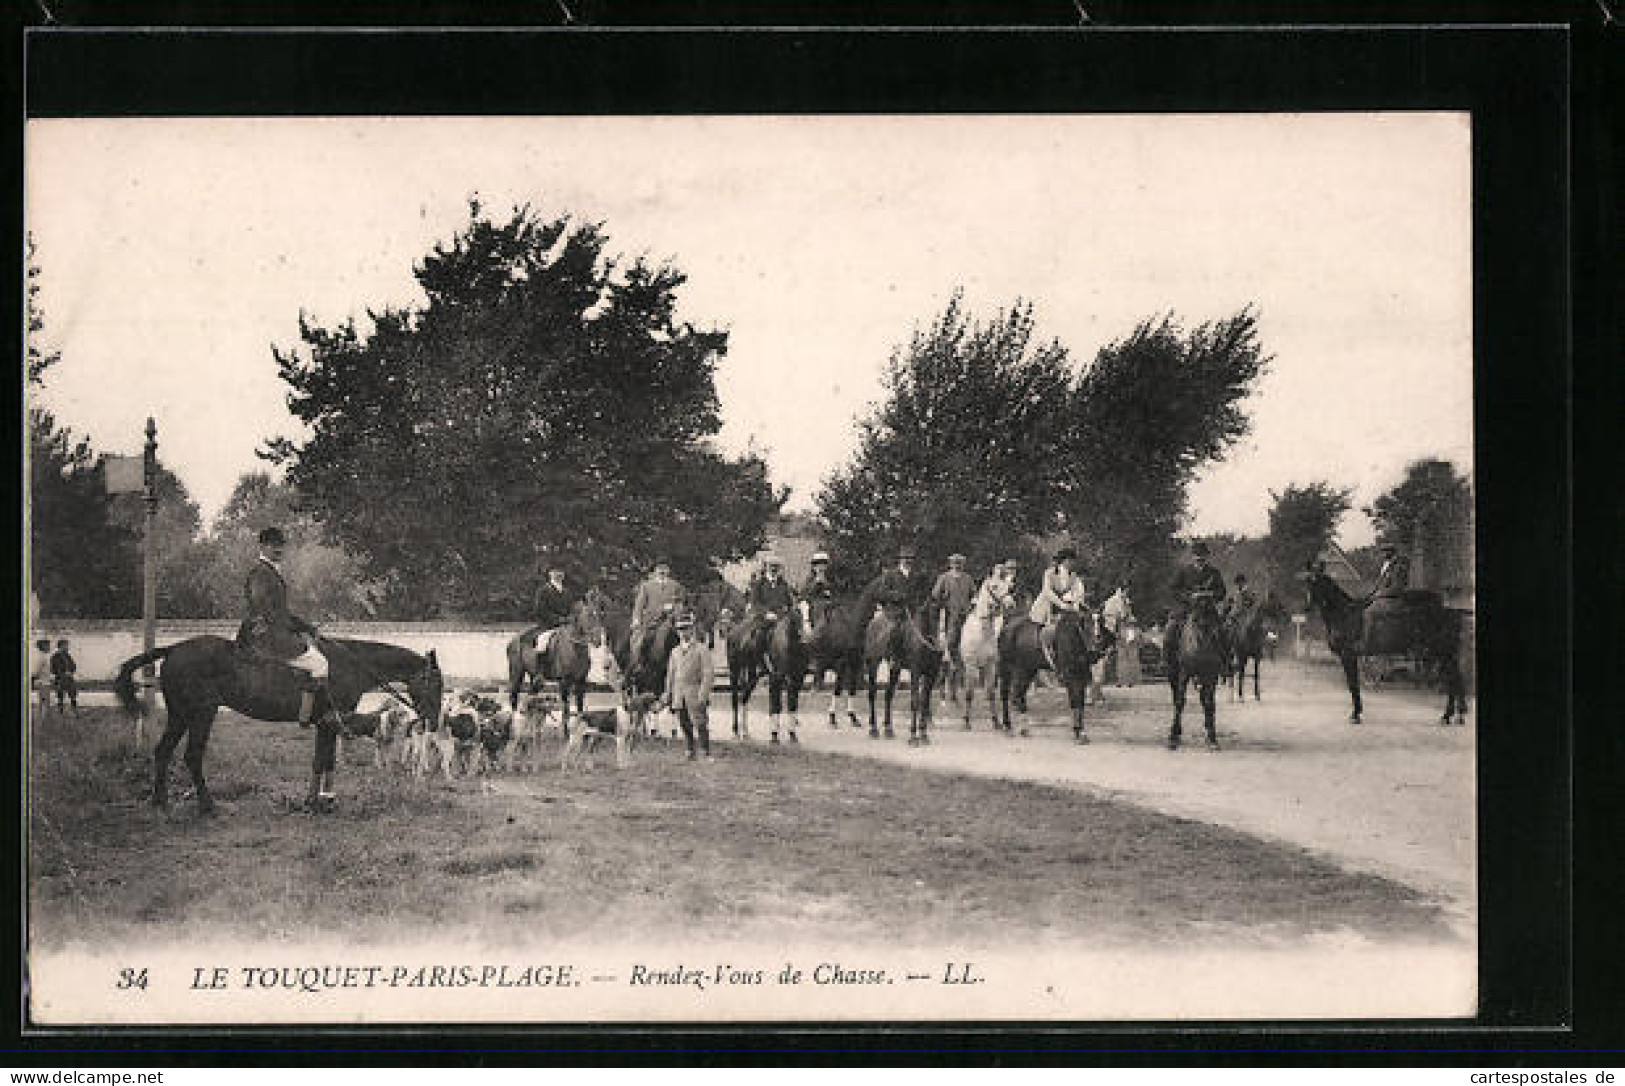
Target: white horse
[(979, 649)]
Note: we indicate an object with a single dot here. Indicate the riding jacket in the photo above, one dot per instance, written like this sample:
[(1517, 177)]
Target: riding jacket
[(994, 597), (655, 595), (1394, 577), (893, 588), (771, 595), (689, 676), (1193, 579), (553, 606), (270, 627)]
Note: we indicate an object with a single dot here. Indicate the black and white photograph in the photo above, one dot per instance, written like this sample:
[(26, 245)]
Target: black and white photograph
[(751, 568)]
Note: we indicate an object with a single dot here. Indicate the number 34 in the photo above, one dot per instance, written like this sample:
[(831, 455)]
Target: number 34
[(132, 978)]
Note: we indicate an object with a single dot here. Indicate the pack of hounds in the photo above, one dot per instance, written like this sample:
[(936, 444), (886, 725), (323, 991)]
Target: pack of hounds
[(479, 735)]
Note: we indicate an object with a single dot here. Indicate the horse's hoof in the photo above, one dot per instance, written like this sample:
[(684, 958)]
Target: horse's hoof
[(774, 741), (791, 738), (1025, 733), (1213, 745), (1081, 739), (873, 734), (925, 740), (967, 726), (1173, 743), (890, 734), (1355, 718), (913, 741)]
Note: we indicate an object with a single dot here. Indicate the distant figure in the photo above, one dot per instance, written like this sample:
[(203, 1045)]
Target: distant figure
[(39, 673), (952, 594), (62, 677), (1062, 592), (659, 595), (1128, 654), (818, 593), (1271, 639), (1117, 613)]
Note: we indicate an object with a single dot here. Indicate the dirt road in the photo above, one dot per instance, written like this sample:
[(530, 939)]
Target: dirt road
[(1393, 796)]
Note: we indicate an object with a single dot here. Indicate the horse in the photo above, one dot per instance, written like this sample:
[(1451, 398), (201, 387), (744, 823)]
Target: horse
[(1021, 657), (567, 661), (904, 640), (1425, 627), (1195, 649), (979, 657), (201, 674), (836, 644), (1244, 641), (778, 649)]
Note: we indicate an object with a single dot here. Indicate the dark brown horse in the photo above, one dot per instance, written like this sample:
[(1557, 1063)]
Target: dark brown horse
[(836, 644), (1078, 645), (776, 650), (1419, 624), (566, 661), (1244, 641), (904, 641), (1195, 648), (202, 674)]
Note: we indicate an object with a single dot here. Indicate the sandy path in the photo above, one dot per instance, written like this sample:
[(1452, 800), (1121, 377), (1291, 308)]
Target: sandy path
[(1394, 796)]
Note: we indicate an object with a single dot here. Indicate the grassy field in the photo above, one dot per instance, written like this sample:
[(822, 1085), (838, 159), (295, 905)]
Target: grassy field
[(762, 843)]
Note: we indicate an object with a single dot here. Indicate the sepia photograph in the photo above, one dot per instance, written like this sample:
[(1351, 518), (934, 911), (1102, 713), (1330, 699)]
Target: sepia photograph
[(751, 568)]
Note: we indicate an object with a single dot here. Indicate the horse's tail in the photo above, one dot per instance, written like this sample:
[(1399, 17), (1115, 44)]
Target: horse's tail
[(124, 684)]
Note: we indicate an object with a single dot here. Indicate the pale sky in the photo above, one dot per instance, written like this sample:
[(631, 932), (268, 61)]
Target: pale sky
[(175, 252)]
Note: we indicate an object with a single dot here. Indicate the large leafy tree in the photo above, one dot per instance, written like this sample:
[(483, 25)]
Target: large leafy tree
[(989, 442), (1303, 519), (541, 404), (1154, 409), (1429, 516), (963, 451)]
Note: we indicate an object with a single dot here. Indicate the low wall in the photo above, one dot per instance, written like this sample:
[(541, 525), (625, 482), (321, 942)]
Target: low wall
[(467, 652)]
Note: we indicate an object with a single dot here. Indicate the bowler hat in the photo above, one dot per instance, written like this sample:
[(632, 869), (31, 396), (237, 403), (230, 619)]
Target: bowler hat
[(685, 621), (1064, 553), (1200, 549), (819, 556), (273, 537)]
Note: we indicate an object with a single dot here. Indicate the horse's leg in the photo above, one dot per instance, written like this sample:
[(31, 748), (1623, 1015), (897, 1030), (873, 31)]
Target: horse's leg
[(775, 705), (894, 675), (175, 727), (1079, 699), (792, 697), (1351, 674), (1022, 682), (1258, 666), (197, 743), (873, 668), (854, 679), (1177, 682), (989, 682), (1206, 689)]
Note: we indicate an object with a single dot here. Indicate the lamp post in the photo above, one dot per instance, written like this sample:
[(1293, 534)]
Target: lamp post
[(149, 559)]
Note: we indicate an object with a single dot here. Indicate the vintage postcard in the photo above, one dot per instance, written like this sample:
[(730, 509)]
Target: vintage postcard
[(751, 568)]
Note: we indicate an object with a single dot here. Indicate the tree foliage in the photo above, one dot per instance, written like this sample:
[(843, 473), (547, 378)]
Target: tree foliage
[(1429, 516), (542, 404), (1303, 519), (988, 442)]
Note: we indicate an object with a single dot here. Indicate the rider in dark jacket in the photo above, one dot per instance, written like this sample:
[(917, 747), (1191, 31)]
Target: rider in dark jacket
[(271, 629)]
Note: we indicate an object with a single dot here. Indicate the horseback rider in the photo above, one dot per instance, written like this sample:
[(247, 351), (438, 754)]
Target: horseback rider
[(1245, 599), (658, 595), (1203, 577), (1062, 593), (818, 594), (770, 596), (271, 630), (1394, 577), (952, 593), (894, 589), (554, 604)]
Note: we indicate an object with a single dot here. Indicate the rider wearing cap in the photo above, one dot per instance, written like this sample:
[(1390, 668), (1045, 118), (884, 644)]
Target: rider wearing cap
[(271, 630), (1190, 580), (1394, 577), (1245, 598), (554, 602), (1062, 593), (769, 598), (894, 589), (659, 595), (818, 594)]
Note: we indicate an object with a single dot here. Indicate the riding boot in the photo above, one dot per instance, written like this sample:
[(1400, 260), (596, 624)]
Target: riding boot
[(307, 706)]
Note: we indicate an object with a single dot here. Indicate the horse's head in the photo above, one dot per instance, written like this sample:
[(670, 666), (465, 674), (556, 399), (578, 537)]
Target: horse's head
[(427, 689), (1204, 608), (603, 669), (1074, 641)]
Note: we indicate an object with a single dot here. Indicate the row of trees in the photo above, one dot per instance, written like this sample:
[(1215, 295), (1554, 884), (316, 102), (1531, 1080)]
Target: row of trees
[(989, 442)]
